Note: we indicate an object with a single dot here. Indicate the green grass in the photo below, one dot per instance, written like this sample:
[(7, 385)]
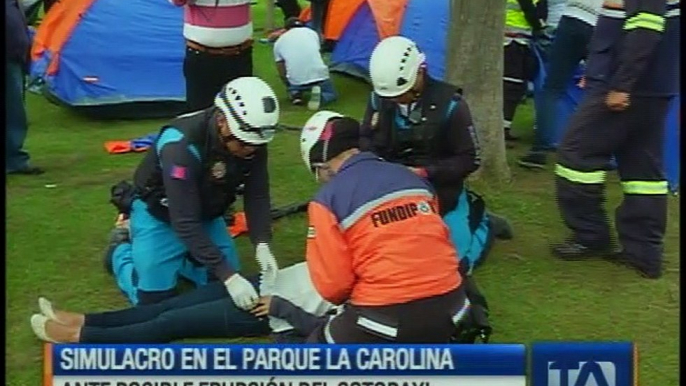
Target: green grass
[(55, 239)]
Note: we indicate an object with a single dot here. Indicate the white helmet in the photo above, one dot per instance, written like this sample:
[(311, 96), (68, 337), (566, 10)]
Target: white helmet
[(394, 65), (312, 132), (251, 109)]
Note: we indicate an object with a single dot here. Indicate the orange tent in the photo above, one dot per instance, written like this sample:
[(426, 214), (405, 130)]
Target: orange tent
[(387, 13), (56, 28)]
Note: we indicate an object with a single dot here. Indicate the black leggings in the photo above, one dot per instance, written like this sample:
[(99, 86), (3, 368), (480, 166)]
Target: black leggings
[(206, 312)]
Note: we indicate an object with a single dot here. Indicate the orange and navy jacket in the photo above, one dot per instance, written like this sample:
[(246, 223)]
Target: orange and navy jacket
[(375, 237)]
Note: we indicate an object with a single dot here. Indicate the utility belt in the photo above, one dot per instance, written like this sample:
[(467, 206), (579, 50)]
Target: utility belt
[(123, 194), (224, 51)]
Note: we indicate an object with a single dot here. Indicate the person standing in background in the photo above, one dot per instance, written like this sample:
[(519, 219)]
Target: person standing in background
[(555, 10), (218, 47), (289, 8), (47, 4), (319, 8), (569, 48), (17, 44), (524, 22)]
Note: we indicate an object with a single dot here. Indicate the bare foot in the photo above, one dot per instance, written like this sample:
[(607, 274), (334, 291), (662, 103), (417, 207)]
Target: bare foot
[(62, 333), (71, 319)]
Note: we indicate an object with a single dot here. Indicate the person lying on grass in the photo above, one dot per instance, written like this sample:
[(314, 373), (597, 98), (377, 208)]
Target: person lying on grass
[(290, 309)]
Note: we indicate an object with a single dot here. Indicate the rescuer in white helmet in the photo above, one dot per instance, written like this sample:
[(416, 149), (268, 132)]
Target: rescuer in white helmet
[(182, 190), (376, 244), (425, 124)]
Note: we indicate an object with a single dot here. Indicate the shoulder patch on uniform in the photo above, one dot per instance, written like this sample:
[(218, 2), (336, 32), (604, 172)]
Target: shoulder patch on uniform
[(178, 172), (310, 232)]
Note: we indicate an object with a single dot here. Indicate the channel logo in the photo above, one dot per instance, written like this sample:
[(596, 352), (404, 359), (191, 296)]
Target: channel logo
[(588, 373), (583, 364)]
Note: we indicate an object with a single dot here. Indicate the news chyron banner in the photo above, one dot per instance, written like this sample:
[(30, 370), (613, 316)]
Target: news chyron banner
[(584, 364), (285, 365)]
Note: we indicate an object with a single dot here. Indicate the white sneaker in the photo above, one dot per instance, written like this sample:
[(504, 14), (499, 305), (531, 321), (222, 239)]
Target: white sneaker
[(38, 323), (45, 307), (315, 98)]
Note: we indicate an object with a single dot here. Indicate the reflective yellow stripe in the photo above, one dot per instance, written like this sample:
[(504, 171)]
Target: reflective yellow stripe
[(645, 187), (646, 20), (597, 177)]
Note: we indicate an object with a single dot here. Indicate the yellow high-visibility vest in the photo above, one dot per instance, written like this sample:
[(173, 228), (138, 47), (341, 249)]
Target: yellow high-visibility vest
[(515, 22)]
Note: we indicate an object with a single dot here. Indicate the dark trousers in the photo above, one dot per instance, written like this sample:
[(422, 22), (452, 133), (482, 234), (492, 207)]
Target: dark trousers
[(519, 66), (319, 9), (635, 137), (206, 74), (16, 124), (290, 8), (206, 312), (427, 320), (568, 49), (47, 4)]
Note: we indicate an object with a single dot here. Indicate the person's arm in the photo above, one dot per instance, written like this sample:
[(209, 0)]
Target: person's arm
[(181, 174), (302, 321), (281, 70), (371, 117), (328, 258), (464, 140), (256, 199), (531, 14), (644, 26), (280, 63)]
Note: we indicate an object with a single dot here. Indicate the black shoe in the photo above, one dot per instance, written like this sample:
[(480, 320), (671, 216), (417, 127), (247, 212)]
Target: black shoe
[(28, 171), (500, 227), (510, 137), (649, 269), (117, 236), (533, 160), (572, 250), (297, 101)]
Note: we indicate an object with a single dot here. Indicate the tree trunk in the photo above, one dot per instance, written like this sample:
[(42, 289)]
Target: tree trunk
[(474, 62)]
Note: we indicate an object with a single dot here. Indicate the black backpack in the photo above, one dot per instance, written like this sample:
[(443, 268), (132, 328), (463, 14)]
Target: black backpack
[(474, 327)]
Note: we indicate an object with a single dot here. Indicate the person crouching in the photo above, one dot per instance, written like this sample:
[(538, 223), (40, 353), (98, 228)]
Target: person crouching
[(301, 67), (376, 244)]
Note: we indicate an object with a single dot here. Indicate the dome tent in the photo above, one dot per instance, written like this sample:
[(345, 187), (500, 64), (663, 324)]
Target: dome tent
[(112, 58)]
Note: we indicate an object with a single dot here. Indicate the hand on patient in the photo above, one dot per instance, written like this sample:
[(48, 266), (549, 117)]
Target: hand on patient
[(241, 291), (262, 308)]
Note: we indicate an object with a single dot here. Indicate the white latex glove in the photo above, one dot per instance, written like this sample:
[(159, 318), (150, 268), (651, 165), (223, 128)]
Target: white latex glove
[(241, 291), (268, 268)]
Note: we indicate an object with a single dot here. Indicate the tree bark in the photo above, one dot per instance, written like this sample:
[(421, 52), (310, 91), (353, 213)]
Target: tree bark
[(474, 62)]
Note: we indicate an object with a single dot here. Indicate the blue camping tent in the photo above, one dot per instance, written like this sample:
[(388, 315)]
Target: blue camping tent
[(424, 21), (112, 58)]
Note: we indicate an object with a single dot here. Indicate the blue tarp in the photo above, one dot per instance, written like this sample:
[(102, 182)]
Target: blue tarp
[(120, 52)]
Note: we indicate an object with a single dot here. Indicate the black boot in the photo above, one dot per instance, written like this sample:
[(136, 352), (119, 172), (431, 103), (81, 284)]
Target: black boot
[(533, 160), (500, 227), (649, 269), (572, 250), (117, 236)]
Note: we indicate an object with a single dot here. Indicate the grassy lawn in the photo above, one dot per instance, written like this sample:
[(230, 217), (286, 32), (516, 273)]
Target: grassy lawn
[(56, 235)]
